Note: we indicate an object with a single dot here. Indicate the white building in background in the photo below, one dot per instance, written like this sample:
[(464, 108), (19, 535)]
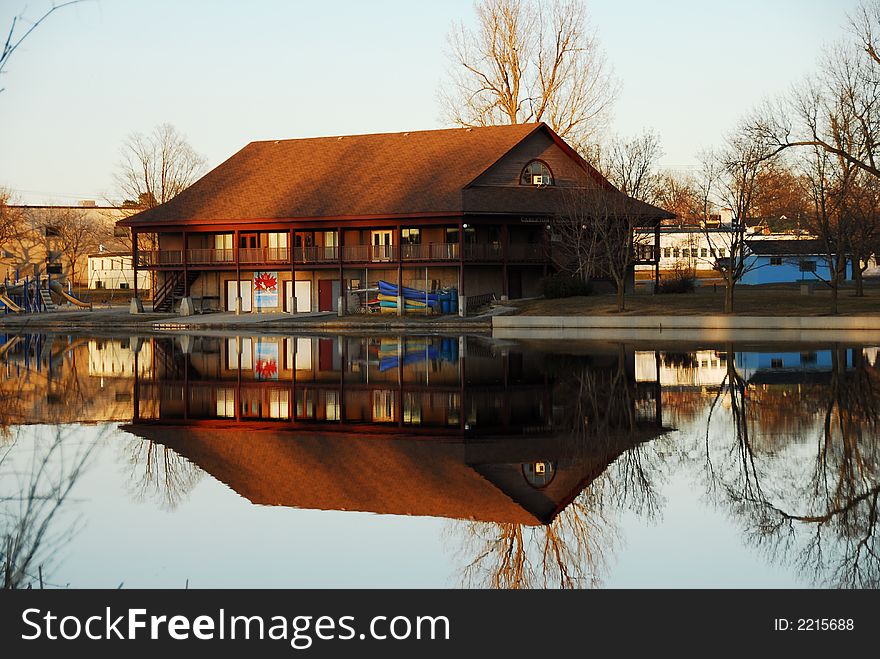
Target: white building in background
[(694, 248), (113, 270)]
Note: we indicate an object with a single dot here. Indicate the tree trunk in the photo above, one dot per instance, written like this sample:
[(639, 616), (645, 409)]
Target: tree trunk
[(621, 296), (728, 297), (857, 277), (834, 296)]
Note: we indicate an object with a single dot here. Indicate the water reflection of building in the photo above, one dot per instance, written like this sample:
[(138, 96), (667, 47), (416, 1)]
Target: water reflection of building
[(436, 426), (708, 369), (702, 369), (63, 379)]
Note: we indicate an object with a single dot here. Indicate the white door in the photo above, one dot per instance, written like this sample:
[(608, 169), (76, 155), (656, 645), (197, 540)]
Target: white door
[(381, 245), (303, 295), (247, 288)]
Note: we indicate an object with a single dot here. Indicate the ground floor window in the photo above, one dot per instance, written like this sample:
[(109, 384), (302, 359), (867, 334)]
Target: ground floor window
[(776, 260), (808, 266)]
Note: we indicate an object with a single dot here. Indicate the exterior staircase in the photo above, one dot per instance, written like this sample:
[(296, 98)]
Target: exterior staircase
[(172, 290), (46, 297)]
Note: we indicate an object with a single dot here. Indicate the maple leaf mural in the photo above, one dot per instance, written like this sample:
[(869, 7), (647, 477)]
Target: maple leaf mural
[(265, 281)]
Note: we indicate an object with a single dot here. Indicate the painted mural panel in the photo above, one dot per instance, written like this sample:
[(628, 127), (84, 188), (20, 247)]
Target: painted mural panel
[(266, 290)]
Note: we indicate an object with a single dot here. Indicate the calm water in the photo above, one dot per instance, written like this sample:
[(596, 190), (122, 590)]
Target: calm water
[(298, 461)]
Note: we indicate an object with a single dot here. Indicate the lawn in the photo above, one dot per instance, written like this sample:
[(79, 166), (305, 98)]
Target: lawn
[(768, 300)]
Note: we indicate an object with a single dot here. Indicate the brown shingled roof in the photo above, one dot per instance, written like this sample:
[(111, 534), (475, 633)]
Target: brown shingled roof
[(364, 176), (353, 175)]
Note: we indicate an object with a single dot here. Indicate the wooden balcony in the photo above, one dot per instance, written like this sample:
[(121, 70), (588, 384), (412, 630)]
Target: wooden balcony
[(355, 254)]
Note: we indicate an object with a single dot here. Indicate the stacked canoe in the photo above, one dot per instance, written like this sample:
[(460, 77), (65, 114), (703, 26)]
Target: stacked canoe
[(414, 299)]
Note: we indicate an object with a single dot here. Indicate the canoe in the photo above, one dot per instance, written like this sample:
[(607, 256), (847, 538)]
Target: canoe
[(387, 288)]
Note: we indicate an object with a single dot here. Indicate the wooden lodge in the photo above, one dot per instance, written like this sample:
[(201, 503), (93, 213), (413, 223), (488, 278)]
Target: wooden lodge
[(297, 225)]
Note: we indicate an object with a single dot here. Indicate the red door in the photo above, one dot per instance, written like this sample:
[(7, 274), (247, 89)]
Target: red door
[(325, 295)]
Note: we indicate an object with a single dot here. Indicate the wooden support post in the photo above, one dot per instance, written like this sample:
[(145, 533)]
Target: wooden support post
[(342, 297), (505, 247), (185, 260), (656, 257), (134, 260), (401, 302), (236, 250), (461, 300), (291, 241)]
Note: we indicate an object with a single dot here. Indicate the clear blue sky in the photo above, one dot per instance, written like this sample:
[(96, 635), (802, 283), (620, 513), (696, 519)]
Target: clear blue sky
[(226, 72)]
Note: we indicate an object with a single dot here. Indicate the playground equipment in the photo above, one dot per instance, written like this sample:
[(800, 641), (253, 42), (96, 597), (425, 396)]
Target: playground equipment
[(58, 289), (9, 304), (32, 296)]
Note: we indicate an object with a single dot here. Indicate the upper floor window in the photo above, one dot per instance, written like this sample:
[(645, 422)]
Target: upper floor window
[(536, 173), (410, 236)]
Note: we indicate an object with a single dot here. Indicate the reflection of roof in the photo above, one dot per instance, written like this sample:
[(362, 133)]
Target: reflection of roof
[(426, 477)]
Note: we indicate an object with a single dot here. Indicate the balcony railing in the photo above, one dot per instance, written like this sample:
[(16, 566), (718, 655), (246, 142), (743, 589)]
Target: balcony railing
[(208, 256), (350, 254), (316, 254), (264, 255), (525, 252), (483, 252), (430, 252)]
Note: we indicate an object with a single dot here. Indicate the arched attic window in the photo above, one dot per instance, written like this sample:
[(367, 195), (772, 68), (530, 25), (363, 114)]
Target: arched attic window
[(536, 173)]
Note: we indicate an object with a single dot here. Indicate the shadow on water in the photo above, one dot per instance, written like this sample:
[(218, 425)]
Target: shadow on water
[(534, 452)]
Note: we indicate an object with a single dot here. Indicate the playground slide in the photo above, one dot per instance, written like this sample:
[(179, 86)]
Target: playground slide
[(59, 290), (12, 306)]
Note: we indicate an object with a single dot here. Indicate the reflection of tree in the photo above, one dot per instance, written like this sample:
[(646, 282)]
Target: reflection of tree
[(819, 512), (569, 552), (35, 493), (601, 421), (159, 473)]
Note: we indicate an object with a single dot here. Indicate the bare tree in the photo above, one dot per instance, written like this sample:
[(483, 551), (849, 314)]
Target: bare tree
[(729, 178), (601, 232), (679, 194), (530, 62), (631, 165), (77, 233), (13, 41), (156, 167), (831, 181), (603, 229), (10, 219)]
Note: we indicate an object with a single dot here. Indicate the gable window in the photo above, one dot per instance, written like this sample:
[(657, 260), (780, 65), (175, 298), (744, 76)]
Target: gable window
[(536, 173)]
